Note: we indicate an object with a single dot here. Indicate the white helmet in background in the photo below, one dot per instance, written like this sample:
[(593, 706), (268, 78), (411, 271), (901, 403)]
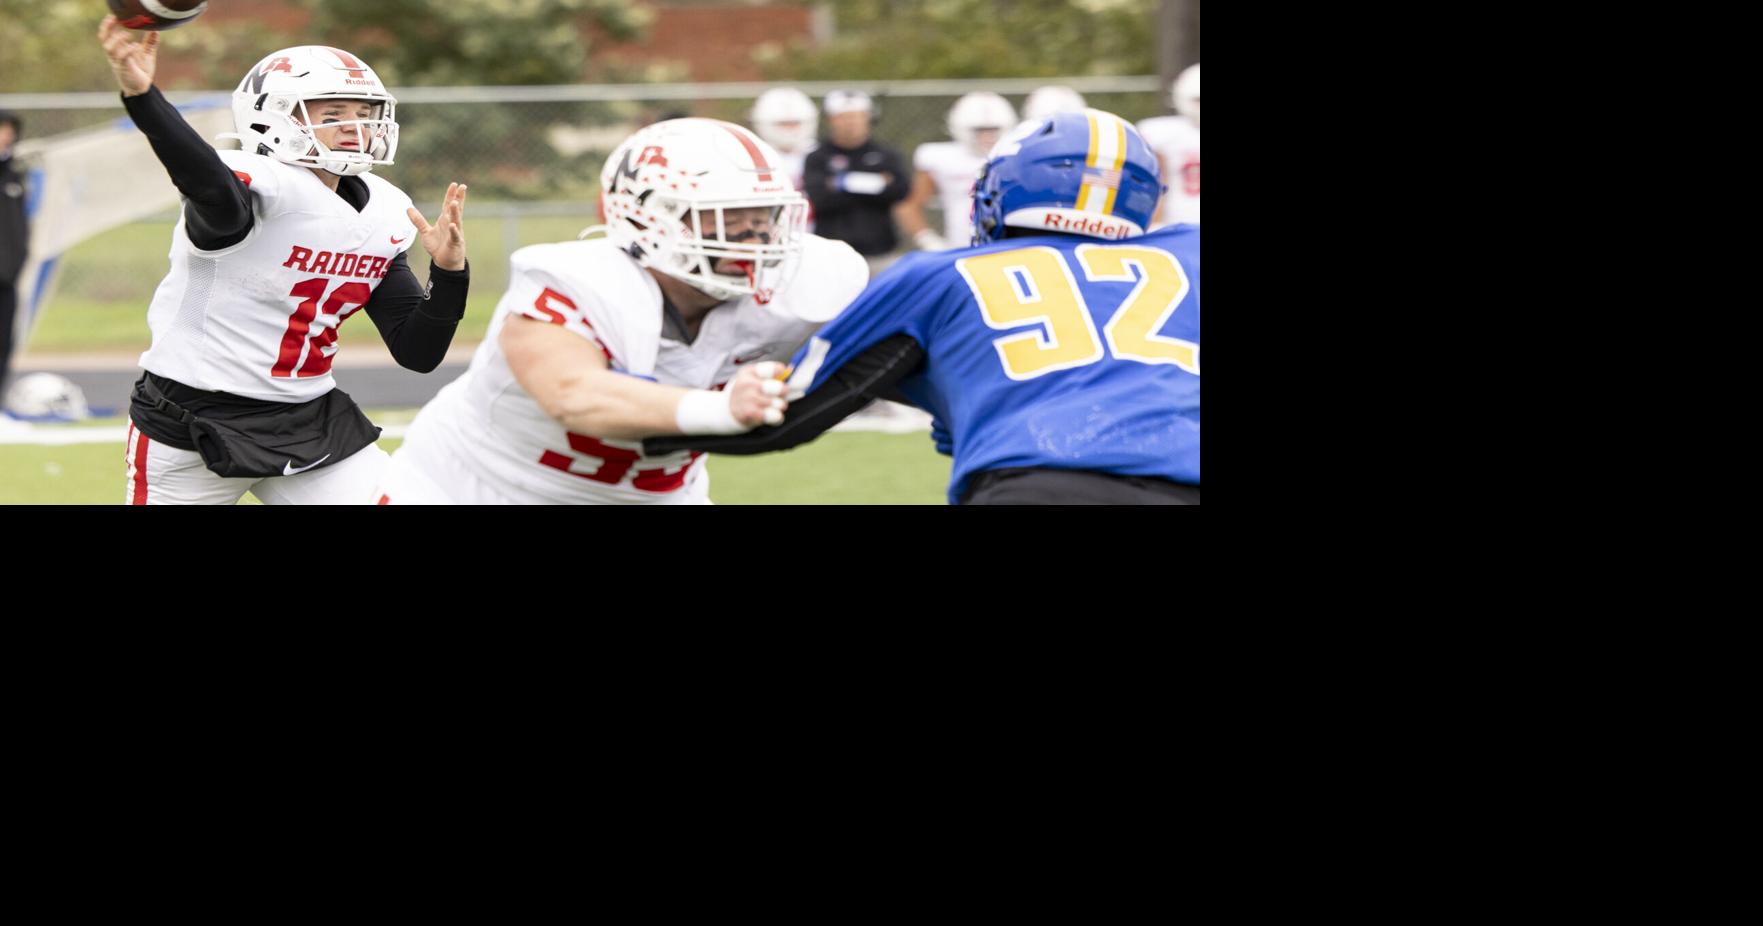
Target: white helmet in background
[(976, 112), (786, 118), (1046, 101), (46, 395), (270, 115), (667, 190), (1185, 94)]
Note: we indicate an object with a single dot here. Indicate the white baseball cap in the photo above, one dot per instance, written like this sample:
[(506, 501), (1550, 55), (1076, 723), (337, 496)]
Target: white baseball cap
[(848, 101)]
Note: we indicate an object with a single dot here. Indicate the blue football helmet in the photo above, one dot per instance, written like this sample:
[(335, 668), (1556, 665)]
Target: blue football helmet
[(1083, 173)]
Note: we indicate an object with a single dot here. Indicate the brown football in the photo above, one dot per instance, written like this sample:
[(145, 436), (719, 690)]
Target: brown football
[(156, 15)]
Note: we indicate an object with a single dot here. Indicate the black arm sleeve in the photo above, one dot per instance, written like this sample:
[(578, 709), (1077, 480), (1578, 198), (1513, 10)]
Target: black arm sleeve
[(217, 210), (418, 325), (865, 377)]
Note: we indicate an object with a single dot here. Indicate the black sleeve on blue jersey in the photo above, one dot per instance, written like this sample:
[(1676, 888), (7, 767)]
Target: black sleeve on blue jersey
[(217, 211), (418, 324), (864, 378)]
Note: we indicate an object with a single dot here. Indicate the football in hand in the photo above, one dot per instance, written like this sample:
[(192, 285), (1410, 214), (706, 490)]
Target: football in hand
[(156, 15)]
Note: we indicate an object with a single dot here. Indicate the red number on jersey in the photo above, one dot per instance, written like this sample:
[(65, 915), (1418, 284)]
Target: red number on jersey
[(615, 462), (300, 338)]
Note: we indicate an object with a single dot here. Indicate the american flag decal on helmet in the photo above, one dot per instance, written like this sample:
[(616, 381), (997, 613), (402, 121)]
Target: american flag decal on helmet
[(1097, 176), (1107, 156)]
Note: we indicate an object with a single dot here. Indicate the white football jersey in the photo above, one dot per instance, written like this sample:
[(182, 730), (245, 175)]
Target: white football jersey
[(954, 169), (1176, 139), (260, 318), (484, 440)]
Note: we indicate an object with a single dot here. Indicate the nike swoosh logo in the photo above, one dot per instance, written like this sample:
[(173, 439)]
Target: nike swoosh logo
[(401, 240), (750, 357), (289, 470)]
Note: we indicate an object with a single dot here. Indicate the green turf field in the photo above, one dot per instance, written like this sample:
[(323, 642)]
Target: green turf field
[(846, 468)]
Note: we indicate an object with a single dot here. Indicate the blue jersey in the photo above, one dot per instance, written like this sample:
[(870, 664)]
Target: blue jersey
[(1053, 351)]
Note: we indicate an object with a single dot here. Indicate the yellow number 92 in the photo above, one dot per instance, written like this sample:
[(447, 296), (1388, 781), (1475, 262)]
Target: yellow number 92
[(1035, 286)]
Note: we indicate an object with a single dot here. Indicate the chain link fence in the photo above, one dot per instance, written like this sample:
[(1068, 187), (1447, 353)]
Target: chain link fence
[(532, 156)]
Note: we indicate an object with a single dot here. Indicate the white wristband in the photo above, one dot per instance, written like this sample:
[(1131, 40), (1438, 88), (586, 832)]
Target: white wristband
[(928, 240), (703, 411)]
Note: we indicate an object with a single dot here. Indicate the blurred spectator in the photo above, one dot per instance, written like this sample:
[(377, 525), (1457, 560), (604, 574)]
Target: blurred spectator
[(15, 237), (785, 117), (1053, 98), (949, 169), (1176, 139), (853, 182)]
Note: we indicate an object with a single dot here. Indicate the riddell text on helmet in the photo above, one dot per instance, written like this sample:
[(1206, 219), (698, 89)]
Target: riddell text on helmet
[(1096, 228)]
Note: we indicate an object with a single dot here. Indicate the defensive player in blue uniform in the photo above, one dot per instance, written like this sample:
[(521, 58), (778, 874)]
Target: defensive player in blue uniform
[(1060, 356)]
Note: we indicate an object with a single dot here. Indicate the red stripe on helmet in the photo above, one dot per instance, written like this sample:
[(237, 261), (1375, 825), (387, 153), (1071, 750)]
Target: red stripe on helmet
[(348, 61), (753, 152)]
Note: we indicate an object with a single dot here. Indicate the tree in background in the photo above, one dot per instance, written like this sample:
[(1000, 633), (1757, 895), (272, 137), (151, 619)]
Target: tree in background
[(414, 43), (50, 46), (885, 40), (922, 39), (418, 43)]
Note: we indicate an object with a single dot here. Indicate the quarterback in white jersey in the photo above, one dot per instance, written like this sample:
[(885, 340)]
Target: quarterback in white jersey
[(277, 245), (671, 324), (1176, 140), (948, 170), (308, 250)]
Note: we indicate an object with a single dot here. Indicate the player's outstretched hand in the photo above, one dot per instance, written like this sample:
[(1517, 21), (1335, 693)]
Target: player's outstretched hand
[(445, 240), (133, 63), (756, 396)]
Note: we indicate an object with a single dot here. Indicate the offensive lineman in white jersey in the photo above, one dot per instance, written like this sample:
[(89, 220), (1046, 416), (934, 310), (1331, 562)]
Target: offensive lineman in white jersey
[(704, 280), (1176, 140), (278, 244), (948, 170)]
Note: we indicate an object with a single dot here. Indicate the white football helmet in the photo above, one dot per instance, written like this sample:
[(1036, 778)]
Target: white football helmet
[(980, 110), (1185, 93), (781, 105), (46, 395), (1046, 101), (269, 109), (667, 191)]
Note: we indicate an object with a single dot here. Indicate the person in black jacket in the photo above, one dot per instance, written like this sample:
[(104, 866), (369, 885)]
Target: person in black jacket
[(15, 237), (279, 244), (854, 182)]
